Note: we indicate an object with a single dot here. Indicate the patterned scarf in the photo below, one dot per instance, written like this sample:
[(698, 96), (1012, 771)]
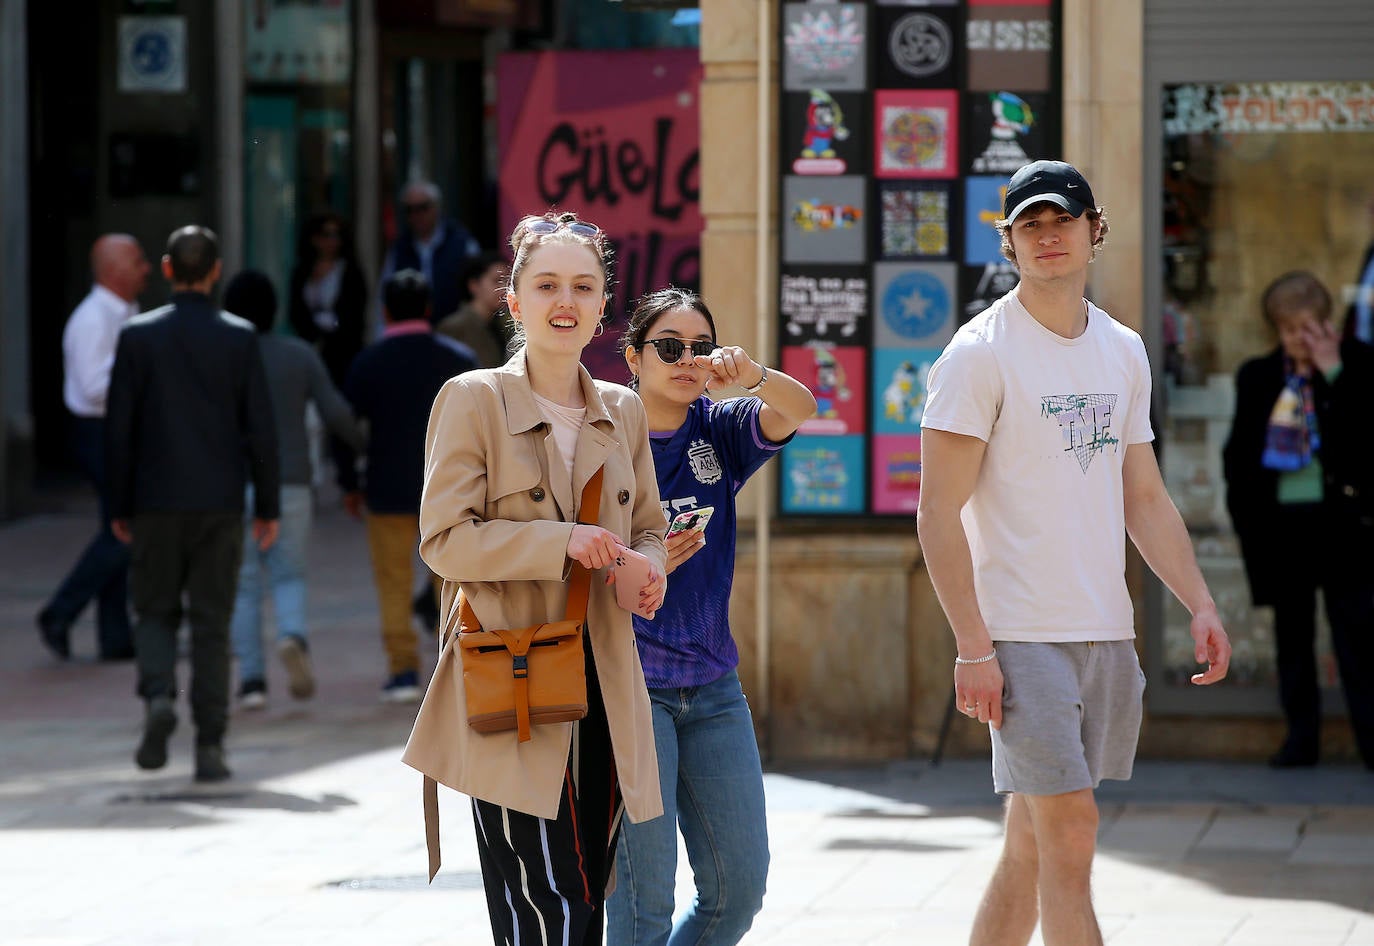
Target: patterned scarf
[(1292, 436)]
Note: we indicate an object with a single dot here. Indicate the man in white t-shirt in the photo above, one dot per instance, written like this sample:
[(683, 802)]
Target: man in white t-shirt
[(1036, 458), (101, 574)]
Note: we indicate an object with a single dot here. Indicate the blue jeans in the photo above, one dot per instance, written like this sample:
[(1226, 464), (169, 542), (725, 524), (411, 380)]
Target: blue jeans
[(284, 564), (712, 784), (102, 572)]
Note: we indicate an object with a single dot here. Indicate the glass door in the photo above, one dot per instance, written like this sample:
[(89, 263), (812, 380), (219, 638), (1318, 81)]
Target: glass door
[(1258, 179), (271, 144)]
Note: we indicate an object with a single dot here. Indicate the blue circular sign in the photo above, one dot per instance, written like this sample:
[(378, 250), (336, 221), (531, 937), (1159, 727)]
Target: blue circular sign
[(152, 53), (915, 304)]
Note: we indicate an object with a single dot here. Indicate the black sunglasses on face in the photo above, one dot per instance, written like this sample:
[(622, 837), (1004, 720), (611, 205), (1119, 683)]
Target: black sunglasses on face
[(417, 208), (670, 349)]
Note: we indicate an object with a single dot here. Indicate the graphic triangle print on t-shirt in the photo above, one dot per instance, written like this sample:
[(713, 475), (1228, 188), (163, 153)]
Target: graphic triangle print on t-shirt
[(1085, 422)]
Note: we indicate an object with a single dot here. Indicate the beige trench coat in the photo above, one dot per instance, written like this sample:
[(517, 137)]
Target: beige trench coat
[(495, 518)]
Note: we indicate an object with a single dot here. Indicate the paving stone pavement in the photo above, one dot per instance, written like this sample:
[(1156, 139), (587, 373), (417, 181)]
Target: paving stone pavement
[(318, 838)]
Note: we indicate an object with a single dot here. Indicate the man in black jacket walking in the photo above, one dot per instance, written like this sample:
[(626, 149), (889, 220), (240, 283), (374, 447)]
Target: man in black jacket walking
[(188, 422)]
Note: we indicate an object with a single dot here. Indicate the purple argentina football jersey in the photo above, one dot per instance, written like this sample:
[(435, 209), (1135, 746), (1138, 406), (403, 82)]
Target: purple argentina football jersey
[(702, 463)]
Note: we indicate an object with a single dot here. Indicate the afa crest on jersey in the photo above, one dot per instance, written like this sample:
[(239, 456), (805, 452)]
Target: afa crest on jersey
[(704, 462)]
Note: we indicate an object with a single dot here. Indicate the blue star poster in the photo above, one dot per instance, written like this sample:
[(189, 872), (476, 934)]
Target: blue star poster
[(914, 304)]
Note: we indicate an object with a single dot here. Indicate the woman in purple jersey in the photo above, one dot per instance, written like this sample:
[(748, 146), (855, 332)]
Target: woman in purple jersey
[(708, 762)]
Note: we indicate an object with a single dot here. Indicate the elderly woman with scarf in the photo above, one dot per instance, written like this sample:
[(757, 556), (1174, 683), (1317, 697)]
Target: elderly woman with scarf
[(1299, 467)]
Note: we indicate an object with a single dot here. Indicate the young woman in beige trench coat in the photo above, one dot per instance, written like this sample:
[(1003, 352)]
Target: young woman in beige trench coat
[(507, 455)]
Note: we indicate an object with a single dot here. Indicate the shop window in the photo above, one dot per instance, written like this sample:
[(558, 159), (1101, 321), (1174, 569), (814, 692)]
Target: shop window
[(298, 150), (1258, 179), (637, 24)]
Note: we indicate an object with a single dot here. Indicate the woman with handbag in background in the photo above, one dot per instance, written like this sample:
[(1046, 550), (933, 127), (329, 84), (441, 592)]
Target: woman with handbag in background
[(509, 451), (709, 770)]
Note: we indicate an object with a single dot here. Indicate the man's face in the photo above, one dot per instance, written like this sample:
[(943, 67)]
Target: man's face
[(127, 271), (1051, 243), (421, 212)]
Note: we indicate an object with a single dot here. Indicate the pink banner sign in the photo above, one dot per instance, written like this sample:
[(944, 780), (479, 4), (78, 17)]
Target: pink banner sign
[(615, 137)]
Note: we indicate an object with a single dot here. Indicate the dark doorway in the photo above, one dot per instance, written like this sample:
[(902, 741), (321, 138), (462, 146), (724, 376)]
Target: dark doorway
[(434, 126), (64, 64)]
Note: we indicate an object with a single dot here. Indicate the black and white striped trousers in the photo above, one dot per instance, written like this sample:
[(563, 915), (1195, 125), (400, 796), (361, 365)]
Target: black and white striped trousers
[(546, 879)]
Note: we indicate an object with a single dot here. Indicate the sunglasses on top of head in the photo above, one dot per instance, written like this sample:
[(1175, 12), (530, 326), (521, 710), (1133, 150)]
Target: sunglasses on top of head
[(670, 349), (580, 227)]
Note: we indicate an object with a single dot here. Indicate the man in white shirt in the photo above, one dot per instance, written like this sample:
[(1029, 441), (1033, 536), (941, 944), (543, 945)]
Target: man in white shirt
[(88, 348), (1036, 458)]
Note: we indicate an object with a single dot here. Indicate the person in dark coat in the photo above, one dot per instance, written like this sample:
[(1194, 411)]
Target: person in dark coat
[(188, 425), (1299, 468), (435, 245), (392, 387), (328, 296)]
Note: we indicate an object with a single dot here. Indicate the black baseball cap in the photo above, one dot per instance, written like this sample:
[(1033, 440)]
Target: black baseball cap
[(1053, 181)]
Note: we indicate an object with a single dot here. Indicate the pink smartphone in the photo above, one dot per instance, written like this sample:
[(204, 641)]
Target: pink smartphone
[(631, 574)]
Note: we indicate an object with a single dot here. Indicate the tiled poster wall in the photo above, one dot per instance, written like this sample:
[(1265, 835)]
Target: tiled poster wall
[(901, 122)]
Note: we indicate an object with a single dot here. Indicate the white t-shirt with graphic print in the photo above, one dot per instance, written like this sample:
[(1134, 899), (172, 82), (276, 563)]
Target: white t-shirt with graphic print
[(1046, 522)]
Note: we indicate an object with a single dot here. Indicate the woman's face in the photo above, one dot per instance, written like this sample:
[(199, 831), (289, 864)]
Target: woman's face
[(486, 289), (326, 241), (559, 298), (1292, 328), (681, 381)]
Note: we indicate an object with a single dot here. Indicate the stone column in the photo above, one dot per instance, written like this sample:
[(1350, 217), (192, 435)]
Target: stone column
[(731, 275), (1103, 136), (729, 169)]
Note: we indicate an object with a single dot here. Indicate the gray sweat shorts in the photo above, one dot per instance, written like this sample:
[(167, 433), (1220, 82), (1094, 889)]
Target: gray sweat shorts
[(1070, 715)]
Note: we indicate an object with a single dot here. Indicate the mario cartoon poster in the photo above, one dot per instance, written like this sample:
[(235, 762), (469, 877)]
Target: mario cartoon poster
[(824, 132), (836, 375)]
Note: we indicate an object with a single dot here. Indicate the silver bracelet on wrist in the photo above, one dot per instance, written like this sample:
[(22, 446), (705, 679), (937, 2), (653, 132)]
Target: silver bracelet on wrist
[(976, 660)]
